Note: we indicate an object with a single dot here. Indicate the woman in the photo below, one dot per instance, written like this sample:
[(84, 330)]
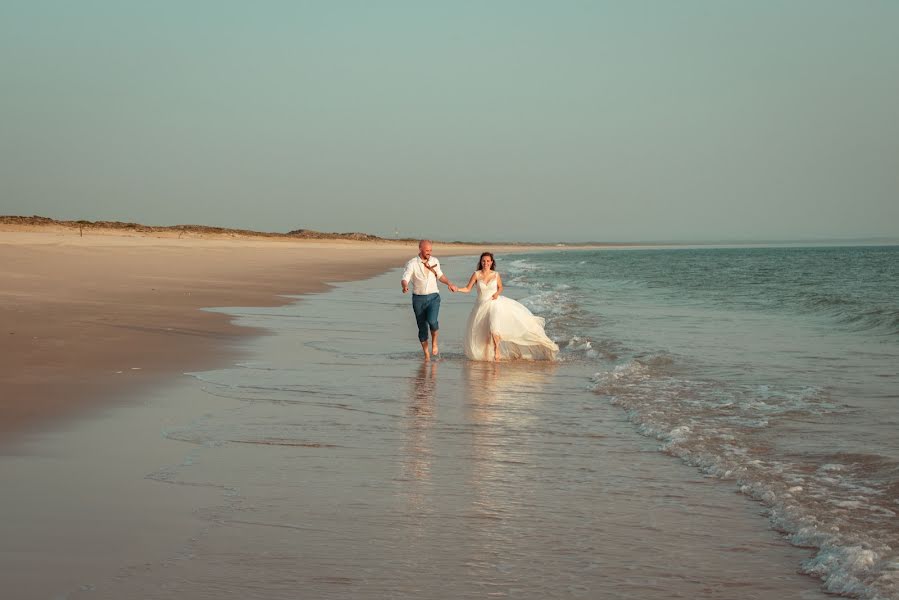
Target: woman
[(499, 327)]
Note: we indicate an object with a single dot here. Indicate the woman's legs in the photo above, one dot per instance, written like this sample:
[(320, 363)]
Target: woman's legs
[(495, 338)]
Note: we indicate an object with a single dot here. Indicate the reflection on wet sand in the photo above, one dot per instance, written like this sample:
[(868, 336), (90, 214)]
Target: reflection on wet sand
[(500, 409), (466, 470), (417, 451), (503, 388), (489, 430)]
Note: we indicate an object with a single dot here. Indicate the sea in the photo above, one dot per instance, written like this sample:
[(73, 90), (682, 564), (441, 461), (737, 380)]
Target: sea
[(721, 422), (771, 369)]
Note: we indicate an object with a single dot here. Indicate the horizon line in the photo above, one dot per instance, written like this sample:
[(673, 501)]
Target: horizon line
[(303, 232)]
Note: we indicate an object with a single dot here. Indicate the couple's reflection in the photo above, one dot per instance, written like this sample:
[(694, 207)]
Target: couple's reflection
[(492, 414), (417, 451), (503, 408), (506, 391)]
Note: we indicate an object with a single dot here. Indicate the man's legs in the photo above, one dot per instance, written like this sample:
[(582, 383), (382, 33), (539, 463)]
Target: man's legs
[(421, 306), (434, 348), (432, 313)]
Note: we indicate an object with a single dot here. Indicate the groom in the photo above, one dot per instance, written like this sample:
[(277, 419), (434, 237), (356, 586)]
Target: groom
[(423, 272)]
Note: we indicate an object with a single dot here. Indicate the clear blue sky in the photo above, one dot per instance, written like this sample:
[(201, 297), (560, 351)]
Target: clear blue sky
[(538, 121)]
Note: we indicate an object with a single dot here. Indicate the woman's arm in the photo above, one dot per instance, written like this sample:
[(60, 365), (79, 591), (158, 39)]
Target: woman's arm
[(448, 283), (499, 286), (471, 281)]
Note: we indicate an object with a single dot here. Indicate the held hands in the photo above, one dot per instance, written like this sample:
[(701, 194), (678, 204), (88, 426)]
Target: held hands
[(433, 270)]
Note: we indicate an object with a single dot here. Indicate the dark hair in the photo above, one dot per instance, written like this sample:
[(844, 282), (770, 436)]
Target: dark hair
[(492, 264)]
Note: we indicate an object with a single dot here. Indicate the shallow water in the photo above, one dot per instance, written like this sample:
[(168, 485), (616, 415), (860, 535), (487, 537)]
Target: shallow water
[(347, 468), (775, 368), (333, 463)]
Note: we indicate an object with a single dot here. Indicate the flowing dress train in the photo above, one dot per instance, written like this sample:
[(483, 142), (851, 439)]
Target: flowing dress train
[(521, 332)]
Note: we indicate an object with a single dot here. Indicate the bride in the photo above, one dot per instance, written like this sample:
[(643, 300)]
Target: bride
[(499, 327)]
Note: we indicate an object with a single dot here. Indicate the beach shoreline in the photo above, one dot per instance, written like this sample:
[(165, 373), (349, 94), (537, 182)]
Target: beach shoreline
[(333, 460), (328, 456), (88, 318)]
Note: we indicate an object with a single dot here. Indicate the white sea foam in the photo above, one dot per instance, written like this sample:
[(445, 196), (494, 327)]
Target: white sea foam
[(547, 303), (517, 266), (831, 467), (713, 428), (763, 425), (577, 343)]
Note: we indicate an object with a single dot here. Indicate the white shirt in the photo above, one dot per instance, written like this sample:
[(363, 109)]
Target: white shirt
[(422, 280)]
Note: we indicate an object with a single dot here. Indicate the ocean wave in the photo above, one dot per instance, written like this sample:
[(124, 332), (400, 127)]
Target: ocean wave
[(855, 287), (872, 319), (565, 318), (844, 505), (550, 303), (856, 314), (519, 266), (579, 346)]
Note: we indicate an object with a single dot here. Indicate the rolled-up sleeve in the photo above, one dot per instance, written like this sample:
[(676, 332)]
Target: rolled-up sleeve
[(437, 271)]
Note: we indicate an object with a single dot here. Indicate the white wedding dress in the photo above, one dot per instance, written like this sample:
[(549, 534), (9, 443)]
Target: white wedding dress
[(521, 333)]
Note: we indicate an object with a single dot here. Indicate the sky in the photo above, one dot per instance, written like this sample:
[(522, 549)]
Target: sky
[(717, 120)]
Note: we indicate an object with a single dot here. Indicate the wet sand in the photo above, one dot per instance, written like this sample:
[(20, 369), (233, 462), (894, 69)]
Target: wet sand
[(85, 319), (330, 462)]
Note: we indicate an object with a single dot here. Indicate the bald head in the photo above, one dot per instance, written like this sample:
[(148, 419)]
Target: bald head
[(424, 249)]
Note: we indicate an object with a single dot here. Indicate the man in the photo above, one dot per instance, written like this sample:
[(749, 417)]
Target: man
[(423, 272)]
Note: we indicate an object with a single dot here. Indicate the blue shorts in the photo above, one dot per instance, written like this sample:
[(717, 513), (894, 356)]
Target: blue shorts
[(426, 308)]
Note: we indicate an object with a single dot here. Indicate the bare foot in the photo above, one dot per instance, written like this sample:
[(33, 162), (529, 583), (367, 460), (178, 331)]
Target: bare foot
[(427, 356), (435, 351), (496, 356)]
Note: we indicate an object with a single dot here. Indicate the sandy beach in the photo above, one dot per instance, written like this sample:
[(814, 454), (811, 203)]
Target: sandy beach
[(98, 329), (85, 318), (324, 459)]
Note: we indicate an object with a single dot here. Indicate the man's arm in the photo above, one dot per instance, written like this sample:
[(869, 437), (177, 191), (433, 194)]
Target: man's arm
[(407, 275), (443, 279), (438, 273)]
